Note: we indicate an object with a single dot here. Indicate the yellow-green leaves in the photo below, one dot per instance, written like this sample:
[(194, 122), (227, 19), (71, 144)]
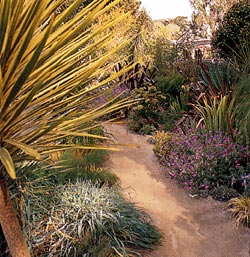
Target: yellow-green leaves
[(50, 51), (216, 113), (26, 148), (7, 162)]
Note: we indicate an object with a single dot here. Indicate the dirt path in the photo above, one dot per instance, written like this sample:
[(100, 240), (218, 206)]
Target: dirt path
[(191, 227)]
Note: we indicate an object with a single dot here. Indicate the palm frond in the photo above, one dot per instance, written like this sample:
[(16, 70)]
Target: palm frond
[(48, 59)]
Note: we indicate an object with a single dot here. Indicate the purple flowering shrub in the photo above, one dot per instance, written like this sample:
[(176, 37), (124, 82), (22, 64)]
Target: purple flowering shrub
[(203, 161), (107, 96)]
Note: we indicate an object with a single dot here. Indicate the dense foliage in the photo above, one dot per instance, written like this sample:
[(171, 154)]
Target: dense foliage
[(207, 15), (86, 219), (202, 103), (59, 72), (205, 162), (75, 207), (234, 31), (146, 117), (54, 56)]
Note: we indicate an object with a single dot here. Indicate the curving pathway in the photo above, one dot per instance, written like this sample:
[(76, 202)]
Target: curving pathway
[(191, 227)]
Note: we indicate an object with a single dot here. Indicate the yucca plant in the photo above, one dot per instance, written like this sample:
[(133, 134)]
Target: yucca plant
[(47, 61)]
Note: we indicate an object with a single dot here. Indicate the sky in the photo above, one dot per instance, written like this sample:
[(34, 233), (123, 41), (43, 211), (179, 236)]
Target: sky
[(162, 9)]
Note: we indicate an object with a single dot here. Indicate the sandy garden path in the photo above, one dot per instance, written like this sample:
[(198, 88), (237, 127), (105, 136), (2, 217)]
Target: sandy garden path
[(192, 227)]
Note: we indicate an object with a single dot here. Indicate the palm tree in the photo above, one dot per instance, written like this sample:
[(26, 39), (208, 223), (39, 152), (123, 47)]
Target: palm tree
[(45, 89)]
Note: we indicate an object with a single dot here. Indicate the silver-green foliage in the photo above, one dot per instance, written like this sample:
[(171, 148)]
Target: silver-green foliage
[(86, 219)]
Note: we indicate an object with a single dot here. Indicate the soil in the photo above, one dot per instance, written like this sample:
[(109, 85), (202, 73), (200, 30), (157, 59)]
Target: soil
[(192, 227)]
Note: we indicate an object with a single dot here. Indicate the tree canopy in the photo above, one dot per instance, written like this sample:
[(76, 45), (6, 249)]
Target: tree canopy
[(207, 14), (233, 33)]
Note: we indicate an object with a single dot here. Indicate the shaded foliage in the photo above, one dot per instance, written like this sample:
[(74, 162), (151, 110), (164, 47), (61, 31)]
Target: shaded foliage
[(233, 31)]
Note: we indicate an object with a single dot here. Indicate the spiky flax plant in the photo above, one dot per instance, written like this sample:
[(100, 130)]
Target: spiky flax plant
[(47, 61)]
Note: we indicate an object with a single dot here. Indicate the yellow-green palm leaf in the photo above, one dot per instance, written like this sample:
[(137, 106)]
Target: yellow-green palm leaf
[(47, 61)]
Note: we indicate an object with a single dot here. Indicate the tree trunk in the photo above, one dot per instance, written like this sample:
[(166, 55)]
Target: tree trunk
[(9, 222), (3, 245)]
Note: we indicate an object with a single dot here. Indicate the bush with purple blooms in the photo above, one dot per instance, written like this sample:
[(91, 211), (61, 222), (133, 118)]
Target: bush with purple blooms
[(203, 161)]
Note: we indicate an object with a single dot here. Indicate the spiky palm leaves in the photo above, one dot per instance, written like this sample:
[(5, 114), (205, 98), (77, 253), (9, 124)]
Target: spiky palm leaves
[(41, 75), (47, 61)]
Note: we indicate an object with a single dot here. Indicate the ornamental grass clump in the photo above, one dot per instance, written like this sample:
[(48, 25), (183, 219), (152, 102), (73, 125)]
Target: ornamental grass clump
[(240, 208), (204, 161), (86, 219)]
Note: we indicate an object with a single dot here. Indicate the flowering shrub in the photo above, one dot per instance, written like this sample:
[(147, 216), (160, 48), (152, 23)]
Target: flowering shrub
[(105, 96), (204, 161)]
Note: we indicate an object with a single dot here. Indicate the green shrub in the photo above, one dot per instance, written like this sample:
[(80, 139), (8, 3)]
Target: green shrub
[(88, 167), (85, 159), (149, 110), (158, 100), (135, 121), (147, 129), (233, 30), (86, 219), (170, 121), (171, 83), (224, 193)]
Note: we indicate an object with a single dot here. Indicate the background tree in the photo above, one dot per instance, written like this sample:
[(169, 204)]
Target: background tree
[(207, 15), (232, 36), (138, 27), (140, 33), (161, 46)]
